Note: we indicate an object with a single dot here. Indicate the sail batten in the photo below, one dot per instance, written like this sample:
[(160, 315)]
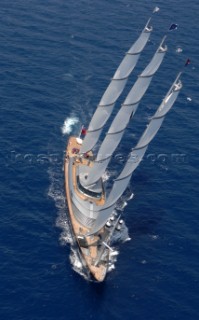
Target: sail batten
[(137, 155), (115, 89), (123, 117)]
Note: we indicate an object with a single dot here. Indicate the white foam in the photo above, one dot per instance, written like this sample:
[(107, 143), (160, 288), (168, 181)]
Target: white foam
[(114, 253), (131, 196), (77, 264), (154, 237), (179, 50), (111, 267), (127, 239), (68, 125)]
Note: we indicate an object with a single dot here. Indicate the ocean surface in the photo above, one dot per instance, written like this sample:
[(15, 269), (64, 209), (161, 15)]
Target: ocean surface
[(56, 59)]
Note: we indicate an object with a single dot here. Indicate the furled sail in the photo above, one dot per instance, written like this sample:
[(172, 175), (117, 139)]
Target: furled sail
[(123, 116), (137, 154), (114, 90)]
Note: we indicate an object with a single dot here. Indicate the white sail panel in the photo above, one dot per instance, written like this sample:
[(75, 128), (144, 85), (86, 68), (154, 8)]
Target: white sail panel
[(113, 92), (157, 119), (90, 140), (126, 66), (103, 216), (122, 118), (135, 157), (139, 45), (132, 56), (107, 149), (167, 103), (115, 88), (117, 190), (150, 132), (143, 82), (155, 63), (138, 90), (99, 119)]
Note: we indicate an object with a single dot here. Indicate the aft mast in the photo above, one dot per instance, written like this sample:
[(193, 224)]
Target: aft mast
[(137, 154)]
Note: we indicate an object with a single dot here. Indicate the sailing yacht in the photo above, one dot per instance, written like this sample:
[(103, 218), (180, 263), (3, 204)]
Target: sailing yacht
[(90, 204)]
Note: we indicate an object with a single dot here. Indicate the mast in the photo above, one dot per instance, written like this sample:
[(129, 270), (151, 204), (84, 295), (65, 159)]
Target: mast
[(137, 154), (121, 120), (114, 90)]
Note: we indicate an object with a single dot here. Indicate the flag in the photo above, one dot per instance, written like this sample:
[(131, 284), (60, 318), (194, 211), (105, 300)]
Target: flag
[(187, 62), (83, 132), (173, 26), (156, 9)]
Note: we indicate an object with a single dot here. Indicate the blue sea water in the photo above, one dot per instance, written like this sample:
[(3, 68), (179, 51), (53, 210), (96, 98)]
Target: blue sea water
[(56, 59)]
